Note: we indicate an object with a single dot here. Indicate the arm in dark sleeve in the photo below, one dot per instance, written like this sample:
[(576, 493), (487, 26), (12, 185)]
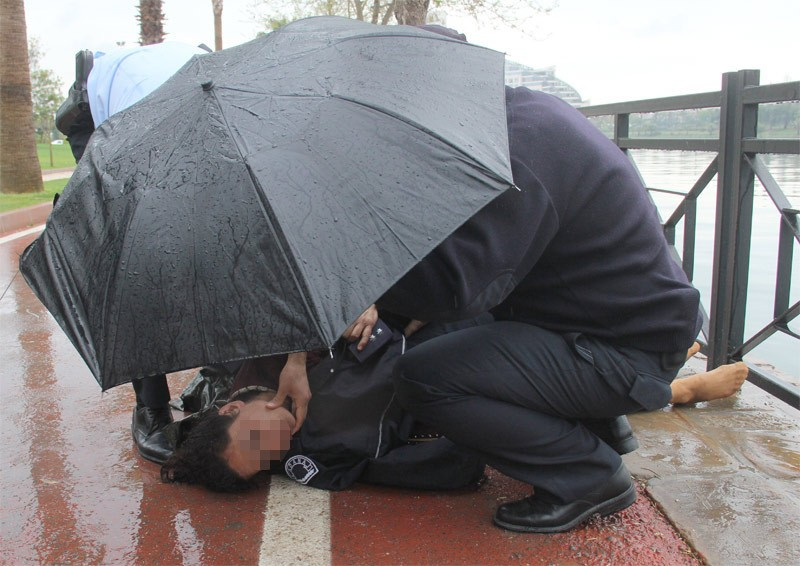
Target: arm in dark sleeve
[(79, 133), (476, 267), (558, 159)]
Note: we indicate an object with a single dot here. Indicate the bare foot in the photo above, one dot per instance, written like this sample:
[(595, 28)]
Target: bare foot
[(693, 350), (718, 383)]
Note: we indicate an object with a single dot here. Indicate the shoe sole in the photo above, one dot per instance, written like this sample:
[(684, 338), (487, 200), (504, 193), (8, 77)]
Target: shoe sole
[(149, 458), (613, 505)]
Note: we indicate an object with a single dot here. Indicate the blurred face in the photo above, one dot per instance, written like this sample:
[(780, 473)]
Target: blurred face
[(258, 435)]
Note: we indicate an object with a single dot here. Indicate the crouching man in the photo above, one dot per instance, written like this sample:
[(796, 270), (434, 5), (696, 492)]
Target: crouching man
[(593, 320)]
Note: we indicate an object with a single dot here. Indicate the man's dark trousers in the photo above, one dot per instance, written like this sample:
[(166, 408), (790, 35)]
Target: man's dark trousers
[(515, 393), (152, 391)]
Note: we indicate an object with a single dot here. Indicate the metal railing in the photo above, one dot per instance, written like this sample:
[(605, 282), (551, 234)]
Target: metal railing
[(736, 165)]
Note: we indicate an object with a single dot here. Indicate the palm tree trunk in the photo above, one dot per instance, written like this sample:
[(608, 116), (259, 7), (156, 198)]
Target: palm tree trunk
[(151, 22), (217, 5), (19, 166)]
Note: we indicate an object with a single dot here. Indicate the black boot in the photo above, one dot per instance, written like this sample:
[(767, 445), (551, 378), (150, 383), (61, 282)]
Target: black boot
[(536, 515), (616, 432), (148, 433)]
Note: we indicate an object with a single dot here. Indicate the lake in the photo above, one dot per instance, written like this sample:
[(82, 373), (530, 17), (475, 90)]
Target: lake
[(679, 170)]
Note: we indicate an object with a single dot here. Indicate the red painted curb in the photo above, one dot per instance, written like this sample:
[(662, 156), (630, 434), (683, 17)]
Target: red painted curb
[(19, 219)]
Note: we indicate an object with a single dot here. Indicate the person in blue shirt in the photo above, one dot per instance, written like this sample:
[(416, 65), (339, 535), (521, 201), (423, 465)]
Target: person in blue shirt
[(107, 83), (124, 76)]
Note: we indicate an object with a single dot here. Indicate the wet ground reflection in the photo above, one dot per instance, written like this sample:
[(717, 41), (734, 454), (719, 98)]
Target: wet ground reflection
[(73, 488)]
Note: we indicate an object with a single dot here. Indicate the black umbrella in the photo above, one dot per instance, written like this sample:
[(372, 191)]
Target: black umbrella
[(266, 194)]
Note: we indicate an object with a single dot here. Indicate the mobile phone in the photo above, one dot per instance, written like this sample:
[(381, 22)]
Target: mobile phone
[(381, 334)]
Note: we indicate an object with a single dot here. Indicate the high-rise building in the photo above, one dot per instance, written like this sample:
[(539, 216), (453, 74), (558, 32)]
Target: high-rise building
[(544, 80)]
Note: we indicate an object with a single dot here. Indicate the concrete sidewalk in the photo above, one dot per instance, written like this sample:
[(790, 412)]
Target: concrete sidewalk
[(52, 174), (726, 473), (719, 482)]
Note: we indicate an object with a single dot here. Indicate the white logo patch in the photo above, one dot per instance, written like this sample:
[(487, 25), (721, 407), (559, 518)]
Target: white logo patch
[(301, 469)]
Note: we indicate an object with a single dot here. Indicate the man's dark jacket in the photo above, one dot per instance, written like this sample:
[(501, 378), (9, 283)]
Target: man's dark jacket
[(578, 248)]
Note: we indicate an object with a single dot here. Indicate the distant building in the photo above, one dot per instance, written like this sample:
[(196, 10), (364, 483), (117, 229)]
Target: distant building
[(545, 80), (518, 74)]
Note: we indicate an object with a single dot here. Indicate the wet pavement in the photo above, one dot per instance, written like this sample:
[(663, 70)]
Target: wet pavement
[(726, 473), (719, 482)]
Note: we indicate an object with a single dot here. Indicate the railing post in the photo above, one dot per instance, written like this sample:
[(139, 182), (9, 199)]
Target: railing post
[(734, 218), (621, 128)]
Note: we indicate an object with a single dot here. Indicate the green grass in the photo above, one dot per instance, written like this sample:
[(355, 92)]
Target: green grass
[(62, 159), (14, 201), (62, 156)]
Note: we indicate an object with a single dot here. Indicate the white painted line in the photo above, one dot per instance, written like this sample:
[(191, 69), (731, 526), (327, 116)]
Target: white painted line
[(15, 235), (297, 525)]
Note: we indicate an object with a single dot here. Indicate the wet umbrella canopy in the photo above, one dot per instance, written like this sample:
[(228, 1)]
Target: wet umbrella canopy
[(266, 194)]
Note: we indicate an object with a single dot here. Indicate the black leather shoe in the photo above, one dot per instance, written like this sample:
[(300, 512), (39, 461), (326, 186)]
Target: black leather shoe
[(147, 429), (532, 515), (616, 432)]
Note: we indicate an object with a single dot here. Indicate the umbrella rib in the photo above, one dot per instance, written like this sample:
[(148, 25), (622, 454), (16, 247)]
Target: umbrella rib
[(272, 224), (488, 171)]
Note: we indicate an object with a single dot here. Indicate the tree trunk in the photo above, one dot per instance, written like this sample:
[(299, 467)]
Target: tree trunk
[(19, 165), (411, 12), (359, 7), (151, 22), (217, 5), (376, 11)]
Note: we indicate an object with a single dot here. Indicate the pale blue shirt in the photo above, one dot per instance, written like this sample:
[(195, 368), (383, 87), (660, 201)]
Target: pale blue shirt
[(122, 77)]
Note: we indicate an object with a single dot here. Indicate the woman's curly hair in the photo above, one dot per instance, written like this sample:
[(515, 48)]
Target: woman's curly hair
[(199, 459)]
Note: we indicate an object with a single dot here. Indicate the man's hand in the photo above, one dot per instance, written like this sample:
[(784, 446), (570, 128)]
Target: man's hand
[(361, 329), (412, 327), (293, 383)]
